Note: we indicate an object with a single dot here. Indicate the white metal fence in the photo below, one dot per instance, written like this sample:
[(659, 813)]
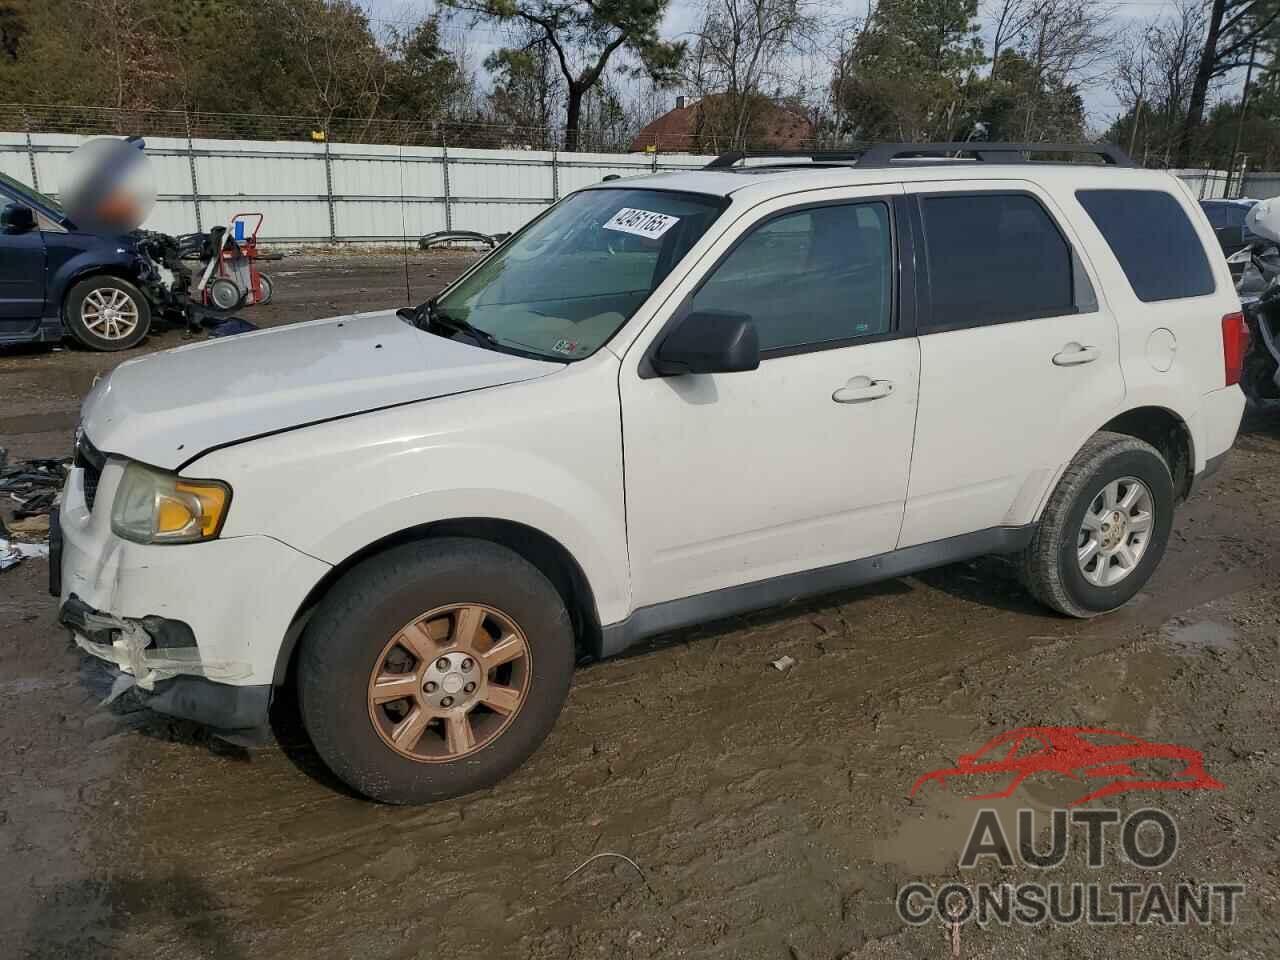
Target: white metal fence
[(345, 192), (335, 193)]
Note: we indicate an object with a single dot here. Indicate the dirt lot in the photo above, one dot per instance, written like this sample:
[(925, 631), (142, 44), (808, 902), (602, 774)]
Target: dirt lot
[(767, 811)]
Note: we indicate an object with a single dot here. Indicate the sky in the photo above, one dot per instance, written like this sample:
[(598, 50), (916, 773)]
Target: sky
[(1101, 104)]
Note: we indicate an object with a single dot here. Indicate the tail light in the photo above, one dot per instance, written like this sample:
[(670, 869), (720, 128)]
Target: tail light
[(1235, 344)]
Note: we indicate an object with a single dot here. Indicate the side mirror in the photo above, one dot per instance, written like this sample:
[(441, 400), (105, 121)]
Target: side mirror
[(16, 218), (709, 341)]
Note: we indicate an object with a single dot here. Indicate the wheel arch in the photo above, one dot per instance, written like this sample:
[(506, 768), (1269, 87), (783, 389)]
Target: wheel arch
[(545, 552), (1169, 434), (117, 271)]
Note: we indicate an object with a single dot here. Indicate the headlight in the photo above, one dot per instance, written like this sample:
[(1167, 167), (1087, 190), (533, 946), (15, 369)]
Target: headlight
[(152, 506)]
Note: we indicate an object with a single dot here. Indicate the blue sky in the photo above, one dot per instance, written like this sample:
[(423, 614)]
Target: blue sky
[(1100, 102)]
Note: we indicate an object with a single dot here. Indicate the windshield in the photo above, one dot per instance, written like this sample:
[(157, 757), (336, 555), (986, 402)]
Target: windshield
[(564, 285), (28, 195)]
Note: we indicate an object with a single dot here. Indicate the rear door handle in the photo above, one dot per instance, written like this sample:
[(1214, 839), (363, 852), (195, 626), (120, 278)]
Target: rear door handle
[(862, 389), (1074, 353)]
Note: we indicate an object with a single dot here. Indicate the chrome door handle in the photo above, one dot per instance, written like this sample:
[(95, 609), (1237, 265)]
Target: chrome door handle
[(861, 389), (1074, 353)]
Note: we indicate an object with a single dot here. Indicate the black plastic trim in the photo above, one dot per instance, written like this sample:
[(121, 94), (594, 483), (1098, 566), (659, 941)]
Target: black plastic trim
[(674, 614), (218, 705), (1211, 466)]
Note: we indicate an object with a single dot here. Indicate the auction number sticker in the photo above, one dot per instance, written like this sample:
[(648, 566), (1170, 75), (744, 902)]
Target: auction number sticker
[(642, 223)]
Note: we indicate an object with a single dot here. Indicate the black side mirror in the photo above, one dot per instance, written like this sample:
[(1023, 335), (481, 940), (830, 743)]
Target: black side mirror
[(709, 341), (16, 218)]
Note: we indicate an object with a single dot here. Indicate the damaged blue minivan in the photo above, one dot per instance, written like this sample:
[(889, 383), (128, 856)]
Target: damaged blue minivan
[(106, 291)]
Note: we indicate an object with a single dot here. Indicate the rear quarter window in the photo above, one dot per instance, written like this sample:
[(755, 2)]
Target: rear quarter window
[(1156, 245)]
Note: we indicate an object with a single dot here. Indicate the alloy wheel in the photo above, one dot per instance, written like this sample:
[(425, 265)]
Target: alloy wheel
[(1115, 532), (449, 682), (109, 313)]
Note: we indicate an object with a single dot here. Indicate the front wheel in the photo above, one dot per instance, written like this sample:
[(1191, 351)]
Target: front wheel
[(107, 313), (434, 669), (1104, 529)]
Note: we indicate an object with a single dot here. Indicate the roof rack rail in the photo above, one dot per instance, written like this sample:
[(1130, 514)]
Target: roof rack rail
[(726, 160), (883, 154)]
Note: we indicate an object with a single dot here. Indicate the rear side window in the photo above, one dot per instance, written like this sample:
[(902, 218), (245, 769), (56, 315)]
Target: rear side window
[(1158, 248), (995, 258)]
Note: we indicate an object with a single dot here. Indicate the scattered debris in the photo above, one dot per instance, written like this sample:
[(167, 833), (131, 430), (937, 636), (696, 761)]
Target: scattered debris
[(441, 237), (597, 856), (13, 553), (783, 663), (32, 528), (231, 326), (32, 485)]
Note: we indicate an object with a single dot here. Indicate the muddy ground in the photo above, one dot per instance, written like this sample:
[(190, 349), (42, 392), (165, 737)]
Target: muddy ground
[(768, 812)]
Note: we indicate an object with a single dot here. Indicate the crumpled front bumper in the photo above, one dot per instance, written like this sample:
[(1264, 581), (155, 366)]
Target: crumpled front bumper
[(198, 627), (153, 656)]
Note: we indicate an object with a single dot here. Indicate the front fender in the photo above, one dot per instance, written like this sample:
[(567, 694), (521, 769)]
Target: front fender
[(117, 259), (545, 453)]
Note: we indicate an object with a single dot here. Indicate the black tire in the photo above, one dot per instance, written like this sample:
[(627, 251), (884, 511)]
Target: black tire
[(73, 313), (1049, 566), (344, 640)]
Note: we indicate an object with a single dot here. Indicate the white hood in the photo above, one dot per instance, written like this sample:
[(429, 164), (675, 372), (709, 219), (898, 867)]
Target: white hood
[(167, 408)]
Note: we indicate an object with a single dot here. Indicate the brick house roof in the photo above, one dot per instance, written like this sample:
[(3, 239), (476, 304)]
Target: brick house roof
[(676, 130)]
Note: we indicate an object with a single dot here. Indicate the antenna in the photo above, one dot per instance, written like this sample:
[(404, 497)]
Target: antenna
[(404, 231)]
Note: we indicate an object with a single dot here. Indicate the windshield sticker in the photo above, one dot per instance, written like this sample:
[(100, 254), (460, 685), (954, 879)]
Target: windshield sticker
[(566, 346), (642, 223)]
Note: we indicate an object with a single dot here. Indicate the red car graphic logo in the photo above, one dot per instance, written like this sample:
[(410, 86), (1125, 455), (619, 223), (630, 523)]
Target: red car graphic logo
[(1079, 753)]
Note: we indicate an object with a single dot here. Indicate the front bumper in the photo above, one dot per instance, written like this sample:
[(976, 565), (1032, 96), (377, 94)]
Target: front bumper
[(151, 649), (214, 612)]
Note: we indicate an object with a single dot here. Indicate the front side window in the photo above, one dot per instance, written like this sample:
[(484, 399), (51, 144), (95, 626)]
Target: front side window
[(1149, 233), (996, 258), (564, 286), (811, 277), (25, 194)]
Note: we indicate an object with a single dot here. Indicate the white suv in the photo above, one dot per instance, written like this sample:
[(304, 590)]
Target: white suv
[(664, 401)]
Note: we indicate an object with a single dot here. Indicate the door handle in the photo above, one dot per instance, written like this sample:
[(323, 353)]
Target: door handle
[(1074, 354), (861, 389)]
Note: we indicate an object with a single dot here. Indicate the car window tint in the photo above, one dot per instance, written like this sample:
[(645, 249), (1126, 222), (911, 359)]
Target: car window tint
[(1149, 233), (810, 277), (995, 258)]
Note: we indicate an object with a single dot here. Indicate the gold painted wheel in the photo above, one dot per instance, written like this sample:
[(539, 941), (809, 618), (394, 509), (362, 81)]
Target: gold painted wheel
[(449, 682)]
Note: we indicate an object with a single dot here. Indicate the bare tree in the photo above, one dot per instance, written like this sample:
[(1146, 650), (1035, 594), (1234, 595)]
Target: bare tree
[(1233, 29), (739, 53)]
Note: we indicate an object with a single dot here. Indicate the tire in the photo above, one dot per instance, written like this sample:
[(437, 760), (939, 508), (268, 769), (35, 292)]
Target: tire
[(225, 294), (1050, 566), (367, 625), (107, 313)]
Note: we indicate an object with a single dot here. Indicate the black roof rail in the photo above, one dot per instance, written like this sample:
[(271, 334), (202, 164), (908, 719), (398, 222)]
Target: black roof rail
[(883, 154), (726, 160)]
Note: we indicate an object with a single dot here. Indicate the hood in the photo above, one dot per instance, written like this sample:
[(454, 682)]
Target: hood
[(168, 408)]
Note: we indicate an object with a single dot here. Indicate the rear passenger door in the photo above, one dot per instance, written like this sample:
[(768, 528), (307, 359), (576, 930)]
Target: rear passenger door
[(1018, 358)]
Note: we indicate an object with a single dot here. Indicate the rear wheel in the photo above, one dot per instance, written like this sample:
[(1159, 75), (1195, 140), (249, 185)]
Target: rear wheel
[(1104, 529), (434, 669), (107, 313)]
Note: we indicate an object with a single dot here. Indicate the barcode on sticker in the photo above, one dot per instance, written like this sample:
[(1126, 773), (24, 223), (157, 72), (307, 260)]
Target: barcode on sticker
[(643, 223)]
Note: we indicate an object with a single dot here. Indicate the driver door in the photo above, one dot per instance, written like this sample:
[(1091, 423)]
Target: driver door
[(802, 463), (22, 278)]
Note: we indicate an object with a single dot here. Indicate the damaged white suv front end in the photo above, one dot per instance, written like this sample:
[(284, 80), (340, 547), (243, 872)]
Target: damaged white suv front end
[(135, 558)]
